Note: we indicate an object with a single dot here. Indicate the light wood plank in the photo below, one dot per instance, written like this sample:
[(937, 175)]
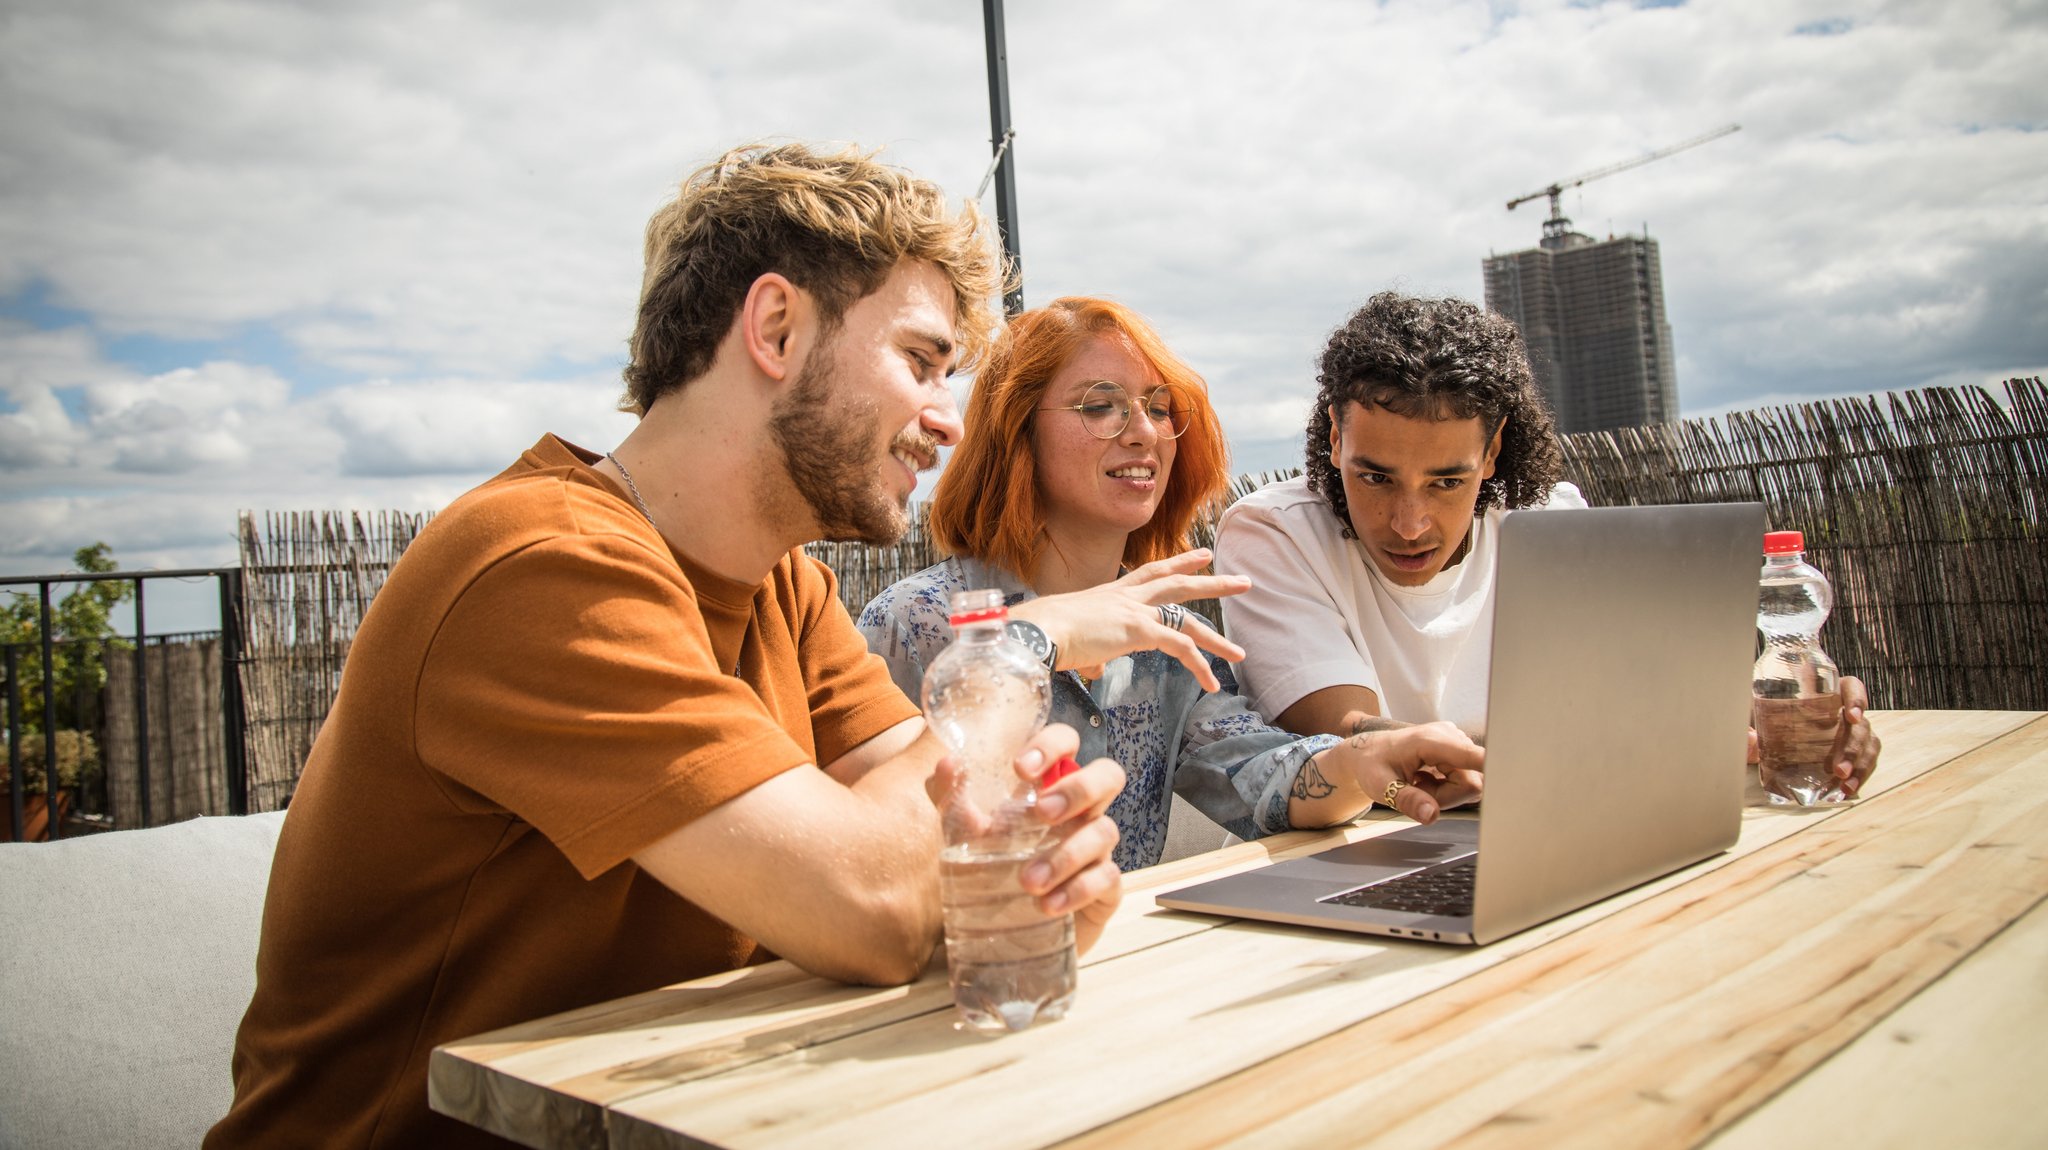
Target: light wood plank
[(1662, 1022), (1151, 1025), (560, 1074), (1962, 1064)]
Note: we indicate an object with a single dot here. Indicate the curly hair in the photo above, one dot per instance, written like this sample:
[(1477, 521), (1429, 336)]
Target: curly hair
[(1438, 359), (836, 224)]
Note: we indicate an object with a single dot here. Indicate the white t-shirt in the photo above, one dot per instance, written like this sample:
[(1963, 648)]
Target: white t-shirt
[(1320, 614)]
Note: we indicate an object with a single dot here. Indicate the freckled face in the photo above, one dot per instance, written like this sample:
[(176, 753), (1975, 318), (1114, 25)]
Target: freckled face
[(1100, 485), (1411, 485)]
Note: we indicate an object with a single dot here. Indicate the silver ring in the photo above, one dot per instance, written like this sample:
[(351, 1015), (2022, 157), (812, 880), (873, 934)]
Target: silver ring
[(1171, 614)]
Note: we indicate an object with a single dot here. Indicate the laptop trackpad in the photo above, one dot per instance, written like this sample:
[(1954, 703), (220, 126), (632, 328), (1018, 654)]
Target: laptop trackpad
[(1374, 859)]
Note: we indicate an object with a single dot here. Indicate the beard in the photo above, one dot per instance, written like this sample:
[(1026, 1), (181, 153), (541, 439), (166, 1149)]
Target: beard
[(827, 445)]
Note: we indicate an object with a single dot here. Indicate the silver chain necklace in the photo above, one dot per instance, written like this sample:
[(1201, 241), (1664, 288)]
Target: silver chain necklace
[(634, 488)]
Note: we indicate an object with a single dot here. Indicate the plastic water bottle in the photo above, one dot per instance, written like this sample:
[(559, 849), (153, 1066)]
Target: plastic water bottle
[(1798, 702), (985, 696)]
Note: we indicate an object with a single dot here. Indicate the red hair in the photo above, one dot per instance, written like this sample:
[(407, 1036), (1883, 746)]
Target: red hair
[(987, 503)]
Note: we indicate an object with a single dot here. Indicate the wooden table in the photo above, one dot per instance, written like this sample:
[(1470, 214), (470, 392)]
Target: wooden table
[(1869, 975)]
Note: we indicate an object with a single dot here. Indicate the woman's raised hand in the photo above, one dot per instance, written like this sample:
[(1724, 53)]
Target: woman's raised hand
[(1101, 623)]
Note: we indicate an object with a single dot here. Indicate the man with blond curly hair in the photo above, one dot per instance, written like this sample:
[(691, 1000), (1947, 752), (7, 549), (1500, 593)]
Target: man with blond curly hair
[(606, 727)]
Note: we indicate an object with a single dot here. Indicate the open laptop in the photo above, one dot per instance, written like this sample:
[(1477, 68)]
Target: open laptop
[(1618, 700)]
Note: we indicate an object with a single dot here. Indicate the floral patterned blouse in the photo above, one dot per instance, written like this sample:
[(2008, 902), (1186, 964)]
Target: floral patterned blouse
[(1146, 711)]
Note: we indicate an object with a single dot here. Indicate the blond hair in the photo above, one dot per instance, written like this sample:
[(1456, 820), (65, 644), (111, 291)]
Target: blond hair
[(836, 224)]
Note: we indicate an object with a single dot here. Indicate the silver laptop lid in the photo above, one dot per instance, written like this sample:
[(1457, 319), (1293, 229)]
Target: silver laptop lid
[(1612, 762)]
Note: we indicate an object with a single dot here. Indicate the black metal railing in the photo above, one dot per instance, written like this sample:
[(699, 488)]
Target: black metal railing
[(229, 583)]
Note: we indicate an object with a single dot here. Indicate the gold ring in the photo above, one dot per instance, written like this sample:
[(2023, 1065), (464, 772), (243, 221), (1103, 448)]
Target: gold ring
[(1393, 792)]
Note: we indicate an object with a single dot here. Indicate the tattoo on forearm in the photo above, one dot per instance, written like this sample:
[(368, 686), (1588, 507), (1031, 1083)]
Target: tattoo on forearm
[(1310, 783), (1367, 724)]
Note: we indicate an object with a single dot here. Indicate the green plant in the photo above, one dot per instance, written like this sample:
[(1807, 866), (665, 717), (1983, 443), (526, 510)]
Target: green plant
[(78, 756), (80, 621)]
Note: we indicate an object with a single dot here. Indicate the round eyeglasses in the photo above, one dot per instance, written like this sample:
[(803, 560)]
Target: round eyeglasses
[(1106, 410)]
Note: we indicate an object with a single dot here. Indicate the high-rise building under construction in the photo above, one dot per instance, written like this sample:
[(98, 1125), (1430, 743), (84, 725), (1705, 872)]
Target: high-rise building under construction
[(1592, 311), (1592, 315)]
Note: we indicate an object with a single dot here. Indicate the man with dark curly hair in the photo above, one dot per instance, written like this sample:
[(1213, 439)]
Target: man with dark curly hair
[(1372, 595), (1373, 575)]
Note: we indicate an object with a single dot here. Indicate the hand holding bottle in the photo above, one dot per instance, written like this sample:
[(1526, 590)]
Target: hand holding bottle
[(1078, 875), (1855, 745), (1018, 861), (1808, 735)]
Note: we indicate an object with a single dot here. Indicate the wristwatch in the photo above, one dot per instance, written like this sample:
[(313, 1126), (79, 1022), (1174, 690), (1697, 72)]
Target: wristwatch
[(1036, 641)]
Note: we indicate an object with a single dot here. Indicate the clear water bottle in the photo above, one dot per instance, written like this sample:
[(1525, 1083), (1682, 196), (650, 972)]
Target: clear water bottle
[(1798, 702), (985, 696)]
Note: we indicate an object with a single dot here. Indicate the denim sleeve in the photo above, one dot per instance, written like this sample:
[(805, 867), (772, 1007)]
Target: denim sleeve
[(907, 625), (1236, 769)]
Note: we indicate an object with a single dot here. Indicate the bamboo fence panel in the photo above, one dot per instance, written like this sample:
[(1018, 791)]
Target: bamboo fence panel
[(307, 579), (1925, 510), (187, 755), (864, 571)]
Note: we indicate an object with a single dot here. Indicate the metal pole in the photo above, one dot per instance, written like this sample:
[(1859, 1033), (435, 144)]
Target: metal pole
[(17, 779), (49, 717), (170, 763), (79, 723), (141, 710), (234, 754), (1003, 140)]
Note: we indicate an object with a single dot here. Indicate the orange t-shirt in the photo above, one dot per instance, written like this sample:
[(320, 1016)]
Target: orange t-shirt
[(542, 689)]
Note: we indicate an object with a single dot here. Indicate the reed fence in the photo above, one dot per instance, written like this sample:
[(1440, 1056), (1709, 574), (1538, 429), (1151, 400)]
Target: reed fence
[(307, 579), (188, 773), (1925, 509), (864, 571)]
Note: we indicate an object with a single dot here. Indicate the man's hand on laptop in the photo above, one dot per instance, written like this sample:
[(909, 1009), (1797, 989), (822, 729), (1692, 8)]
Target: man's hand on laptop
[(1854, 754), (1073, 871), (1436, 764), (1418, 770)]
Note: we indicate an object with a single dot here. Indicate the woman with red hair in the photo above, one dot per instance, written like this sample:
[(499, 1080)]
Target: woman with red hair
[(1090, 449)]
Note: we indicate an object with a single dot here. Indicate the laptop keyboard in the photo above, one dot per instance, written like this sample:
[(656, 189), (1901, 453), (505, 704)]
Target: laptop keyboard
[(1444, 889)]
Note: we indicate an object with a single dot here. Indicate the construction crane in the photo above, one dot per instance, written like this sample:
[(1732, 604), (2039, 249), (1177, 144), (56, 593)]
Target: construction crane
[(1557, 225)]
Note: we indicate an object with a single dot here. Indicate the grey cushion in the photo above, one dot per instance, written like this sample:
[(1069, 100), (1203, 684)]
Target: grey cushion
[(126, 961)]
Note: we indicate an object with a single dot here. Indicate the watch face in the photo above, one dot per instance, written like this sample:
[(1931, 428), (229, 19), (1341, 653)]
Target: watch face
[(1029, 635)]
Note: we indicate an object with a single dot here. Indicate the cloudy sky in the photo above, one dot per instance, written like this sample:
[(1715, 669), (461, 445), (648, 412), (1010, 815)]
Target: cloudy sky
[(279, 256)]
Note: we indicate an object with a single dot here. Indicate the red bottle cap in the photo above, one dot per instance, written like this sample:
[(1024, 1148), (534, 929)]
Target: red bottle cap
[(1060, 770), (1784, 542)]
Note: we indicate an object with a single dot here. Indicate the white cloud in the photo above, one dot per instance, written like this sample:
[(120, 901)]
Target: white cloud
[(397, 187), (437, 209), (182, 421), (33, 434), (465, 427), (1282, 418), (162, 466), (35, 366)]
